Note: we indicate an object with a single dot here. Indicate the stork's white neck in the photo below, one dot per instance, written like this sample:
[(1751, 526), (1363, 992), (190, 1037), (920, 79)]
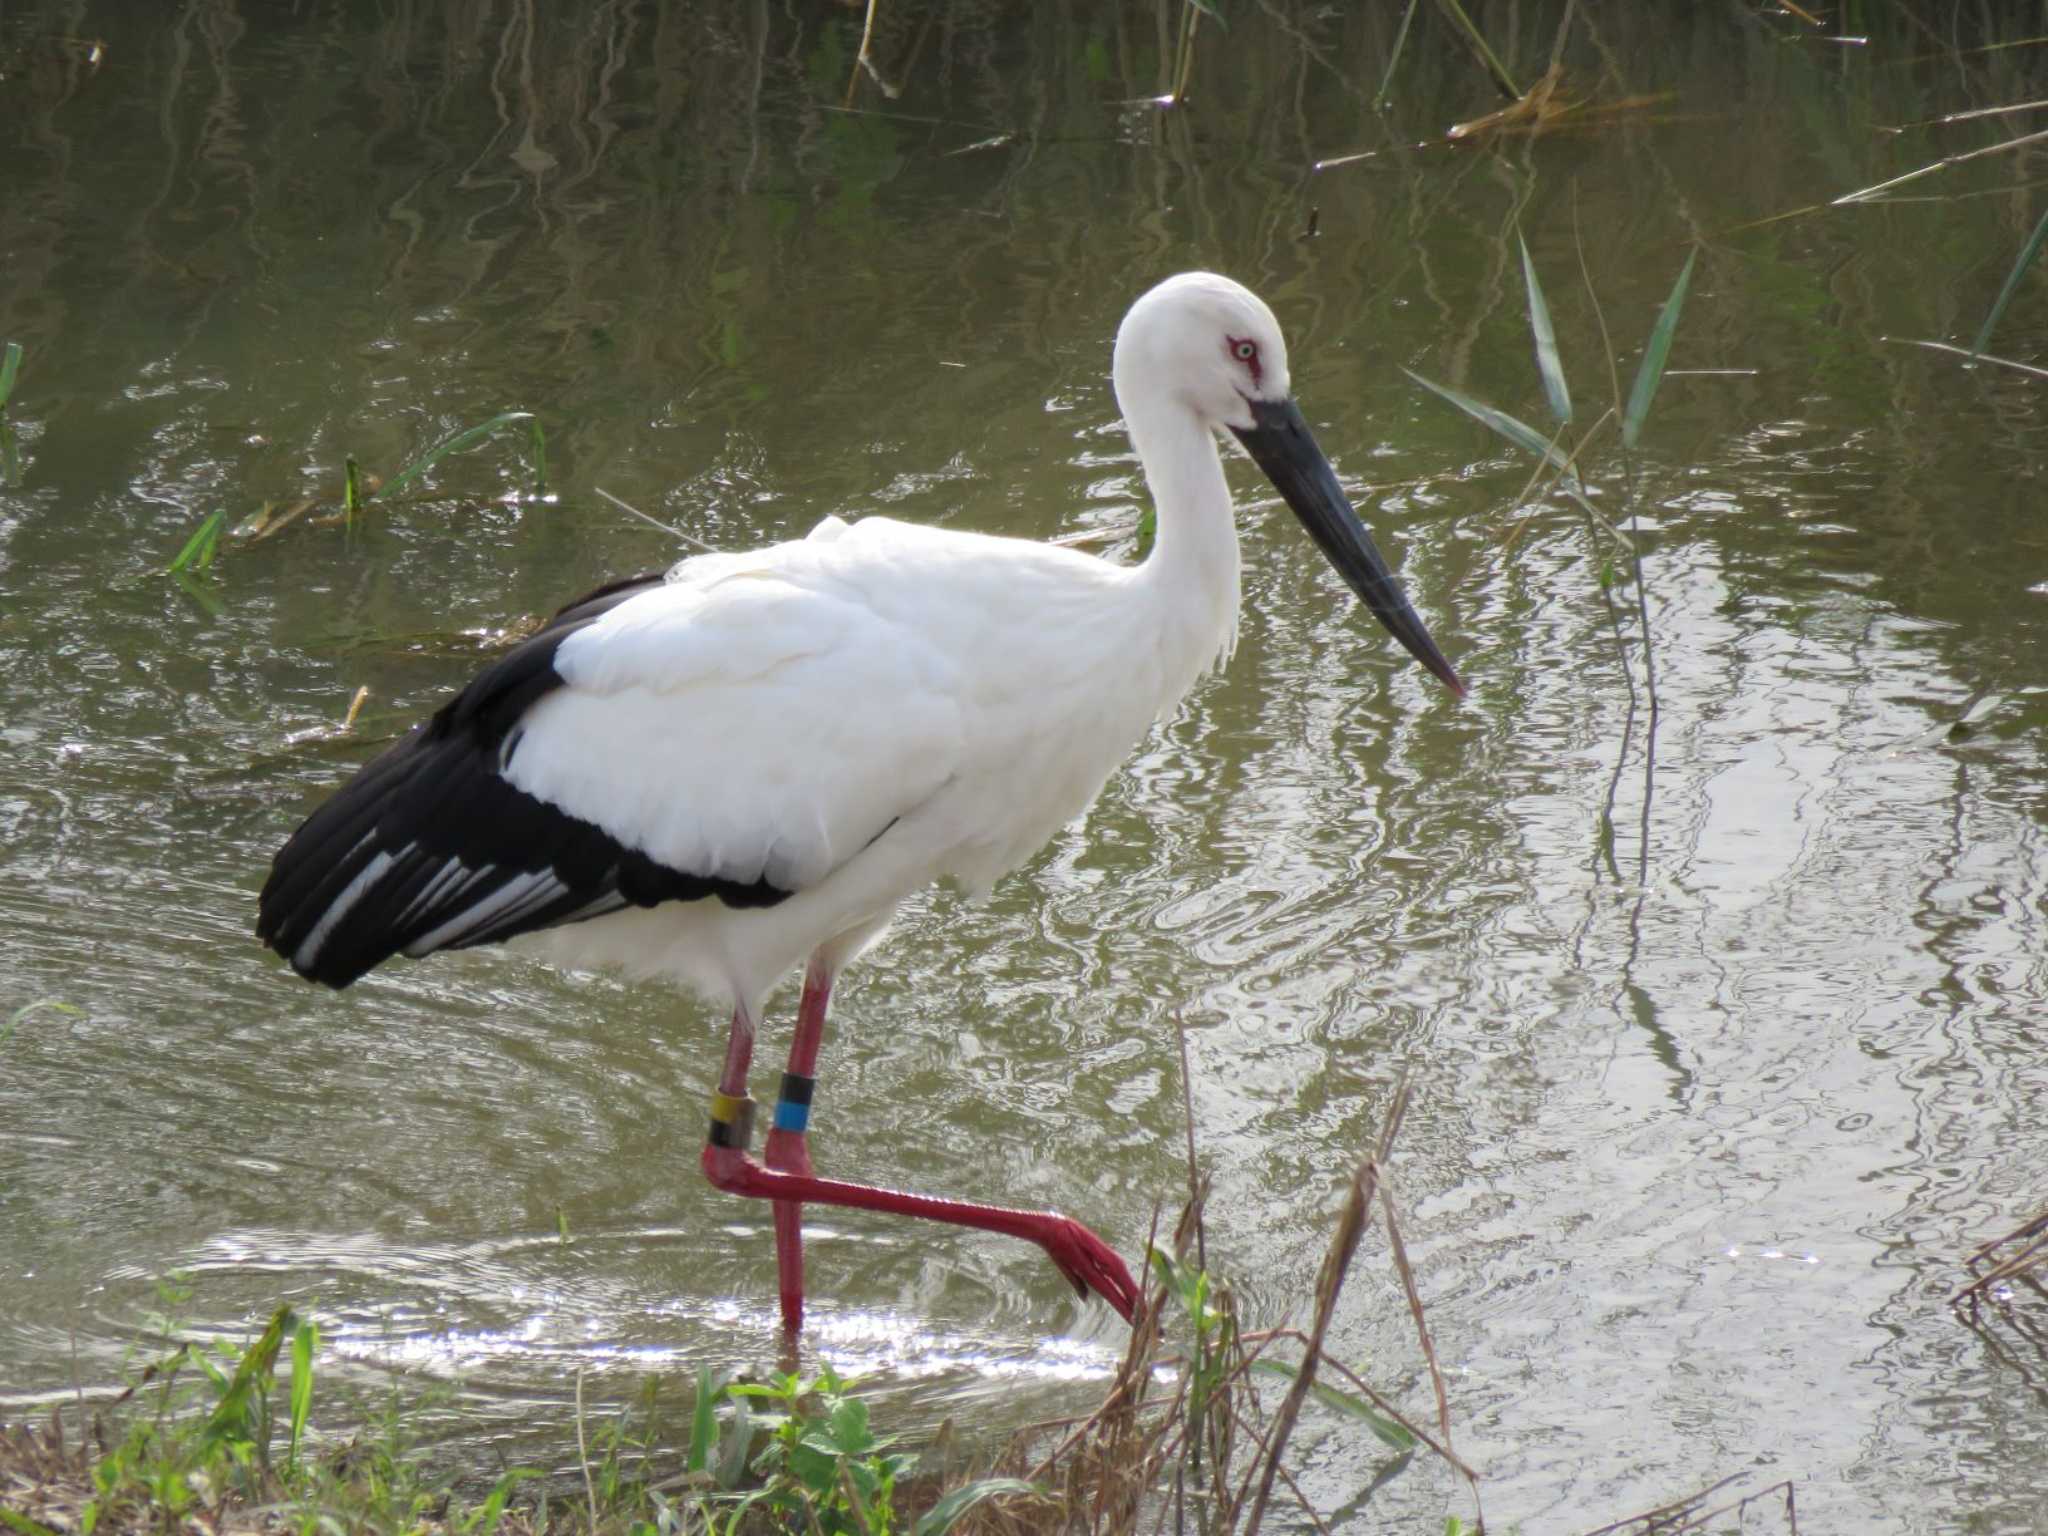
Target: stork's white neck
[(1190, 580)]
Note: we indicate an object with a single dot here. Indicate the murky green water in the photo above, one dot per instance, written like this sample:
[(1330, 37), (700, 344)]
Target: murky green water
[(1725, 1058)]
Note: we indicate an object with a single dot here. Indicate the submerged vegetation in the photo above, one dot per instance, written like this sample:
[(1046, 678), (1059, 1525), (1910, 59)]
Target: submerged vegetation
[(357, 493)]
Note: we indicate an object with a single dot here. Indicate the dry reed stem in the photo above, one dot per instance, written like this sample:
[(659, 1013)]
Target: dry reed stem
[(860, 58), (2032, 1254), (2003, 146), (1665, 1512), (1399, 1251), (1359, 1385), (1686, 1514), (1965, 352), (1343, 1245)]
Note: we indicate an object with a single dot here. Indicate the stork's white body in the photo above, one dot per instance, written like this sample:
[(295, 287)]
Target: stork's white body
[(771, 713)]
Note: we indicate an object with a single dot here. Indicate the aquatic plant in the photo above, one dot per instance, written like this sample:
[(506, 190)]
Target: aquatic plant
[(357, 491)]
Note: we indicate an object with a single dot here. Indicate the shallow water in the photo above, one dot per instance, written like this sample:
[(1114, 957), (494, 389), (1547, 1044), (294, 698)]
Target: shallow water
[(1727, 1042)]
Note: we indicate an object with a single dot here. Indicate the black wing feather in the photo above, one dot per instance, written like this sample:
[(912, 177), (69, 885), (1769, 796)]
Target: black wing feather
[(429, 846)]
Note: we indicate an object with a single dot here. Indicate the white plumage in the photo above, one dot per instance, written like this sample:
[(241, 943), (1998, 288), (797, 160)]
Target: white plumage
[(798, 703)]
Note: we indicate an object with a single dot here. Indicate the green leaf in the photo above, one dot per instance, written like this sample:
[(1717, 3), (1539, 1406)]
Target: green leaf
[(485, 1522), (735, 1446), (235, 1416), (816, 1467), (199, 549), (759, 1389), (1520, 433), (1548, 363), (703, 1422), (14, 1519), (539, 440), (305, 1339), (1346, 1403), (1162, 1263), (1654, 355), (2012, 281), (849, 1428), (455, 442), (939, 1519), (10, 365)]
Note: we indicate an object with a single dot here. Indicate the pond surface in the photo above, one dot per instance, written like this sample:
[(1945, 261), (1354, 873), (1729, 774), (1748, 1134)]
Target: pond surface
[(1727, 1038)]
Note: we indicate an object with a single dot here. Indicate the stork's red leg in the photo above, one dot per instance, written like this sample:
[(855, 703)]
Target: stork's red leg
[(1086, 1260), (788, 1148), (1088, 1263)]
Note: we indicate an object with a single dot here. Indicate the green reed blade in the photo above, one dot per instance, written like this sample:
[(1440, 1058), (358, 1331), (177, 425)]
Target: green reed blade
[(1520, 433), (539, 439), (1652, 370), (305, 1339), (1548, 363), (2012, 281), (1379, 100), (199, 550), (937, 1520), (1349, 1404), (454, 443)]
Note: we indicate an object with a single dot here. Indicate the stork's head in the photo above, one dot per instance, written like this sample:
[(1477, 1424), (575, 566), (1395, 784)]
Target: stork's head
[(1212, 346), (1212, 342)]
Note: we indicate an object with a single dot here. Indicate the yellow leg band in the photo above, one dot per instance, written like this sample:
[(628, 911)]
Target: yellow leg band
[(732, 1121)]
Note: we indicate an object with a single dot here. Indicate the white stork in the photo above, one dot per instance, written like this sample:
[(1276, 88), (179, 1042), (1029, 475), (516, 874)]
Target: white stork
[(742, 766)]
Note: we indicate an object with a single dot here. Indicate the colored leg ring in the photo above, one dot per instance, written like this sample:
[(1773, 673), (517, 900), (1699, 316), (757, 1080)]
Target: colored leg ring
[(732, 1121), (793, 1109)]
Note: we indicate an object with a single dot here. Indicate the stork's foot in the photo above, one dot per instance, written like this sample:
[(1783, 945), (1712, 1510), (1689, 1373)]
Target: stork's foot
[(1089, 1263), (1086, 1260)]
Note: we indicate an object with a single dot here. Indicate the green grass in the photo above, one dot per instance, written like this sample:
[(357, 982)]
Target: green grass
[(221, 1435)]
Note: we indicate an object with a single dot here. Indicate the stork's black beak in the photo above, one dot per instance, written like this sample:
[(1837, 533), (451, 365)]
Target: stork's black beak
[(1281, 444)]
